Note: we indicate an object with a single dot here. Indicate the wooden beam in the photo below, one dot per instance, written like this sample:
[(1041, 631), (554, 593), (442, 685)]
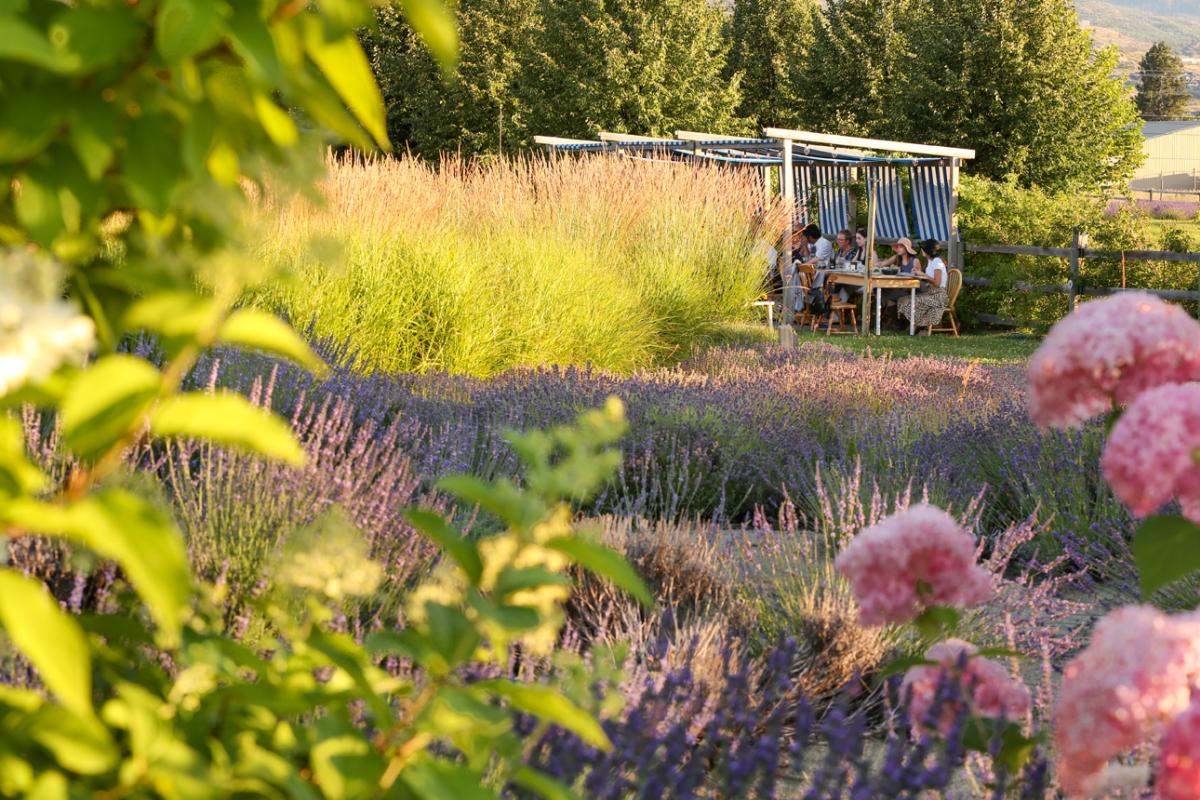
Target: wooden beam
[(608, 136), (550, 141), (695, 136), (880, 145)]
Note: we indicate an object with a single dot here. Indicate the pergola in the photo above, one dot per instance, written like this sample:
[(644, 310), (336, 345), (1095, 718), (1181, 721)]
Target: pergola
[(804, 166)]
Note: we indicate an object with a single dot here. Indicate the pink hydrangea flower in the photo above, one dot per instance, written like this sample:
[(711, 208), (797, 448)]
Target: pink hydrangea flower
[(1136, 674), (993, 692), (1108, 351), (1148, 459), (917, 558), (1179, 758)]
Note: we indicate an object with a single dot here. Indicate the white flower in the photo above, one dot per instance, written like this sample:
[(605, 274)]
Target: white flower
[(39, 331)]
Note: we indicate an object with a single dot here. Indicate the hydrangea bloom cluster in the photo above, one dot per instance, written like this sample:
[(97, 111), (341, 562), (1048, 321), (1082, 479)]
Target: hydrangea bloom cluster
[(1148, 459), (38, 330), (1179, 758), (988, 689), (911, 560), (1110, 351), (1136, 675)]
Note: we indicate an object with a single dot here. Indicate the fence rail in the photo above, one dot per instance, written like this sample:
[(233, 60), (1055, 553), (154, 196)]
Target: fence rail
[(1076, 253)]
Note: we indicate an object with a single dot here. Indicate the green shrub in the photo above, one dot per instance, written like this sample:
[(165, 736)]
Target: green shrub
[(476, 268)]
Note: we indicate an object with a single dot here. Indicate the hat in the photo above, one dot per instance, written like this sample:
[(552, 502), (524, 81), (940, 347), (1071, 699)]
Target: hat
[(904, 242)]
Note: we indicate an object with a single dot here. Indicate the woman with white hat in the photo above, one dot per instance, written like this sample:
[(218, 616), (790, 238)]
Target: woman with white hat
[(931, 300), (906, 262)]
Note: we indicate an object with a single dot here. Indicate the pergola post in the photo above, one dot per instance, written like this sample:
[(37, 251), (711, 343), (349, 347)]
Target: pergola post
[(787, 336), (955, 243), (870, 257)]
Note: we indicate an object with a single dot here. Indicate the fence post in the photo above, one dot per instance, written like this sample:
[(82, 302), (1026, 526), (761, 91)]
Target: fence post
[(1079, 240)]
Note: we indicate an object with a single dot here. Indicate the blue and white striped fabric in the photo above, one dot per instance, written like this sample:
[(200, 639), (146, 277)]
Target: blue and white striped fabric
[(833, 197), (891, 218), (802, 183), (931, 201)]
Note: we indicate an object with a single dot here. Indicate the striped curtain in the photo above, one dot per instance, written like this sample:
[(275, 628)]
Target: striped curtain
[(802, 182), (833, 196), (931, 201), (891, 217)]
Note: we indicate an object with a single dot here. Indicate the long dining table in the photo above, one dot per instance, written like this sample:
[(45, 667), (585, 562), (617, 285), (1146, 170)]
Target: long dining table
[(879, 282)]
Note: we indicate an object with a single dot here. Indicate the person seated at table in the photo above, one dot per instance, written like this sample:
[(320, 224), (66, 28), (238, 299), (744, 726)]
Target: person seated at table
[(904, 257), (932, 299), (859, 254), (905, 260), (820, 249), (843, 247)]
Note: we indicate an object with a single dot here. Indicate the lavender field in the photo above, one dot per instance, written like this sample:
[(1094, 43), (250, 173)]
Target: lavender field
[(744, 472)]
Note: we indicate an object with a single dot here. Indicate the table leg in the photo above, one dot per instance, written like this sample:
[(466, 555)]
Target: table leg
[(878, 302), (912, 312)]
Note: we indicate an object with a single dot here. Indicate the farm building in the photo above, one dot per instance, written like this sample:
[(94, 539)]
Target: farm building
[(1172, 157)]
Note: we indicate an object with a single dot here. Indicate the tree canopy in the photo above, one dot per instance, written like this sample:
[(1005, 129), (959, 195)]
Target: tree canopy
[(1162, 90), (1020, 81)]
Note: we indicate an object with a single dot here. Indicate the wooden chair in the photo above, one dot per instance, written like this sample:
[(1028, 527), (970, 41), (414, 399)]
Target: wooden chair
[(805, 316), (838, 310), (953, 287)]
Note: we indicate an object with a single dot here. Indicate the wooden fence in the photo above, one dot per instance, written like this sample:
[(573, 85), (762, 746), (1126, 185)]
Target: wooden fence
[(1076, 253)]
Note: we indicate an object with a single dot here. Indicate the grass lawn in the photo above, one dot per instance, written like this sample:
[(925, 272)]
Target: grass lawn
[(992, 347)]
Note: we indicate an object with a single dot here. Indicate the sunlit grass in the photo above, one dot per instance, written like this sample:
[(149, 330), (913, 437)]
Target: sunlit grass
[(477, 268)]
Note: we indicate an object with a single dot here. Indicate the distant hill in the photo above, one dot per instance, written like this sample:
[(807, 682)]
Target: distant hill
[(1134, 25)]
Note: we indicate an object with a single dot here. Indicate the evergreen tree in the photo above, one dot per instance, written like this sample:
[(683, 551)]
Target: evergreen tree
[(636, 66), (1162, 92), (771, 43), (476, 110), (1021, 83), (858, 55)]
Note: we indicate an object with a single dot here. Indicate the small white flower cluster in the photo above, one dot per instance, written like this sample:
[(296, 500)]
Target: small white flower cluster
[(39, 331)]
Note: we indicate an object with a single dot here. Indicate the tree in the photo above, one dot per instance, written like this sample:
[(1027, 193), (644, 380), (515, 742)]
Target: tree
[(1021, 83), (637, 66), (858, 55), (473, 110), (771, 40), (1162, 90)]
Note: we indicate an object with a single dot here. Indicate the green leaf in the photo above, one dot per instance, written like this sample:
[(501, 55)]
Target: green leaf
[(434, 779), (187, 27), (144, 541), (543, 784), (91, 37), (174, 314), (153, 162), (999, 652), (317, 97), (261, 330), (348, 71), (276, 122), (93, 132), (434, 22), (898, 666), (28, 121), (605, 563), (501, 498), (104, 401), (1165, 549), (252, 40), (937, 622), (20, 41), (546, 703), (230, 419), (1015, 747), (512, 580), (18, 475), (435, 527), (50, 785), (79, 742), (46, 635), (450, 634), (39, 206), (513, 618)]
